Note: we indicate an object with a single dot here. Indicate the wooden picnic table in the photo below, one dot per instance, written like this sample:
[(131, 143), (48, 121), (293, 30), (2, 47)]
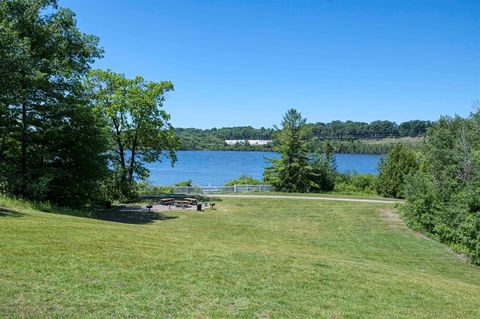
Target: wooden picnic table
[(191, 200), (167, 201), (183, 203)]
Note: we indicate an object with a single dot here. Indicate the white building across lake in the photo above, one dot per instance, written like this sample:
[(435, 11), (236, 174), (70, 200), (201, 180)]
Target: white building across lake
[(251, 142)]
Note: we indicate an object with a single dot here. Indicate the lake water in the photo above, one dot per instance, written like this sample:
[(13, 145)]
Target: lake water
[(218, 167)]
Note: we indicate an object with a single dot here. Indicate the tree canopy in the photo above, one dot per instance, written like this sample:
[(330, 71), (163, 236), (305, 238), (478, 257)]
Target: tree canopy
[(443, 196), (51, 143), (139, 128)]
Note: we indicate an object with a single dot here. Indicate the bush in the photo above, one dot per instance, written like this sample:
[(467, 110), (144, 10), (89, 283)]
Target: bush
[(146, 188), (420, 205), (184, 183), (244, 180), (355, 183), (443, 196), (393, 170)]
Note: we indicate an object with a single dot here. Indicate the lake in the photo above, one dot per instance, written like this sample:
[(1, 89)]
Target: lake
[(218, 167)]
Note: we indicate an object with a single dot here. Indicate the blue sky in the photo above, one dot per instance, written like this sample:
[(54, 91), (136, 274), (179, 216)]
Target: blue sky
[(246, 62)]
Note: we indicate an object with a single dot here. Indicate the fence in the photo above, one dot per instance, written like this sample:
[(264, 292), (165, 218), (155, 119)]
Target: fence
[(222, 189)]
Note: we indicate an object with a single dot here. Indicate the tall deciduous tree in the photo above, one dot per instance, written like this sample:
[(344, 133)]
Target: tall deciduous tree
[(44, 114), (139, 128)]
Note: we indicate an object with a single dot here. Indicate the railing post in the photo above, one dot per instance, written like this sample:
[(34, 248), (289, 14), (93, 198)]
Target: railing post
[(235, 188)]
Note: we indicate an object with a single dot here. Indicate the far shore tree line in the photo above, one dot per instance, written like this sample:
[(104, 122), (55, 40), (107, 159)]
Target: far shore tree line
[(377, 137)]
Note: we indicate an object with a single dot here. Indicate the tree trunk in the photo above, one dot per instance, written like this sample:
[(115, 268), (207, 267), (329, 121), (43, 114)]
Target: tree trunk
[(124, 183), (121, 150), (23, 161), (132, 160)]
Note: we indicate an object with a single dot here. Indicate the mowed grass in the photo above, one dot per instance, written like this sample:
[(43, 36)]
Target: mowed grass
[(250, 258)]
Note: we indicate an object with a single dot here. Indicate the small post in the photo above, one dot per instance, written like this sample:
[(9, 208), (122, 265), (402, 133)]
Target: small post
[(149, 207), (235, 188)]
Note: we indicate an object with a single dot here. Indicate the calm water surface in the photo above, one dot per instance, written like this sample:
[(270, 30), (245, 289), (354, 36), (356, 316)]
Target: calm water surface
[(217, 167)]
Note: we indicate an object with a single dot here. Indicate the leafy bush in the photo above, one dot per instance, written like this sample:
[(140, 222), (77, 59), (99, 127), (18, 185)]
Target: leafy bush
[(393, 170), (146, 188), (244, 180), (184, 183), (443, 196), (355, 183)]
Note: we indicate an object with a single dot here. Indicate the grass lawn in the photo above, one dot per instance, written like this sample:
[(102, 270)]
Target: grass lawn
[(250, 258)]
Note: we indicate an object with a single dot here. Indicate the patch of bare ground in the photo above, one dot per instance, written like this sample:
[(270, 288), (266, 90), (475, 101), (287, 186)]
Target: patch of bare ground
[(392, 217), (395, 221)]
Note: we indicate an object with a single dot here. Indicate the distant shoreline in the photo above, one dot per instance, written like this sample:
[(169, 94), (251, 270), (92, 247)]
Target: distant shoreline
[(263, 151), (358, 146)]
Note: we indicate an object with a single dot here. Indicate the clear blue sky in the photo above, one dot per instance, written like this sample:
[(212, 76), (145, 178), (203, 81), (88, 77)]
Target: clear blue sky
[(246, 62)]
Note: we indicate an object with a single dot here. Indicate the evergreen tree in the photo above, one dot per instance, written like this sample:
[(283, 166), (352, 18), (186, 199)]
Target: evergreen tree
[(292, 171), (299, 169)]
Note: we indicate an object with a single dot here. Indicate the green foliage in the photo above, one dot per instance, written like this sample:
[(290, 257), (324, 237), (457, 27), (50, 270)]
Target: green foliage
[(51, 142), (322, 159), (244, 180), (443, 197), (146, 188), (356, 183), (394, 169), (184, 183), (303, 166), (377, 137), (374, 130), (138, 127), (292, 172)]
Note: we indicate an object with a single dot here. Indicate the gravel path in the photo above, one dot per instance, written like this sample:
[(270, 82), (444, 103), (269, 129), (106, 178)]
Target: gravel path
[(339, 199)]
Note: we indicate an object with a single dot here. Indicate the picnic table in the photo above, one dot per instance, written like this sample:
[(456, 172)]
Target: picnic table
[(183, 203), (193, 201), (167, 201)]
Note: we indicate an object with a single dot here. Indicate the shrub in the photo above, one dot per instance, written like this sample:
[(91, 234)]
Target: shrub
[(355, 183), (393, 170), (443, 195), (244, 180), (146, 188), (365, 182), (184, 183)]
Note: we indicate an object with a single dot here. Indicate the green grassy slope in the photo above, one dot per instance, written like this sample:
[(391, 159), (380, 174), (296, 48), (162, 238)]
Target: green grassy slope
[(251, 258)]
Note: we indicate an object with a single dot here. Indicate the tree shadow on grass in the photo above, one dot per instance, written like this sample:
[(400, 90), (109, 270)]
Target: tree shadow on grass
[(208, 199), (4, 212), (121, 213), (130, 215)]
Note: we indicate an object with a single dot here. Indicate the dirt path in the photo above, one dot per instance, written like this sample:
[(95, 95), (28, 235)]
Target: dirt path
[(339, 199)]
